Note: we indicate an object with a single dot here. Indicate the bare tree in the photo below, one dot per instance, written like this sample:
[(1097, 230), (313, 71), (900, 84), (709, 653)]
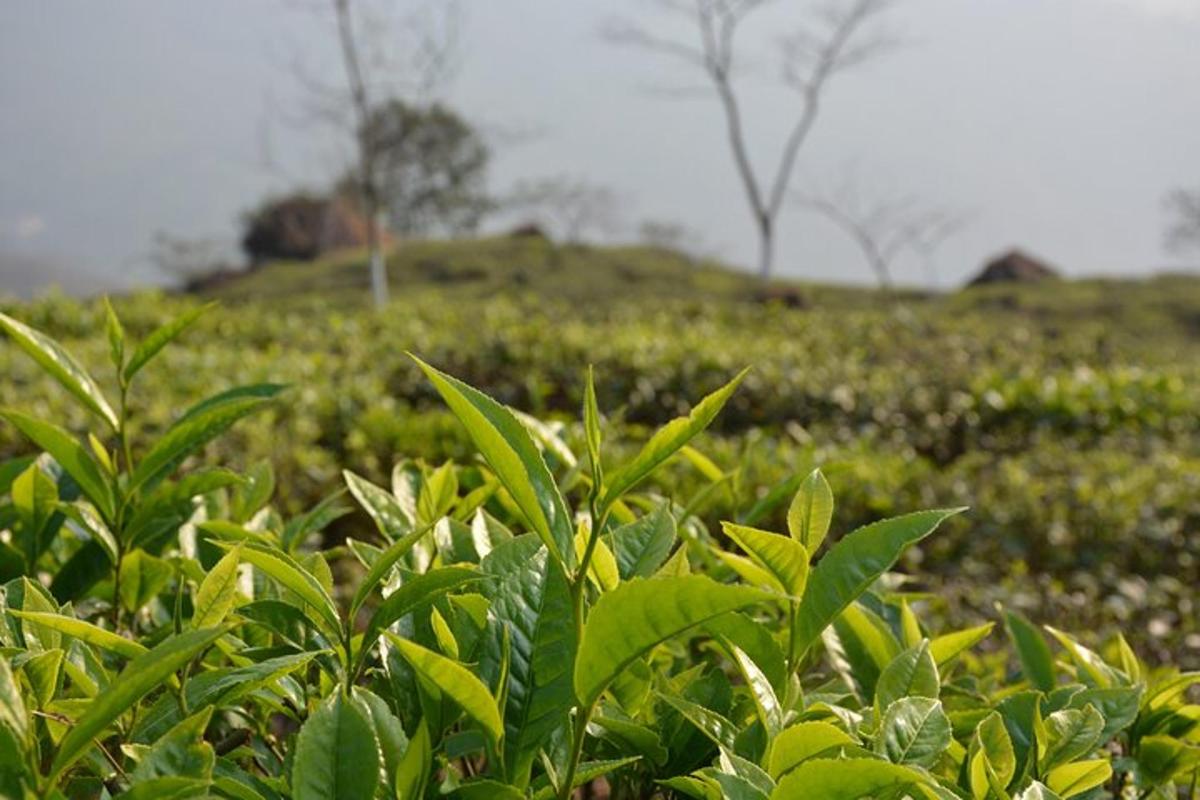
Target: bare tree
[(1183, 234), (883, 229), (837, 36), (390, 49), (572, 207)]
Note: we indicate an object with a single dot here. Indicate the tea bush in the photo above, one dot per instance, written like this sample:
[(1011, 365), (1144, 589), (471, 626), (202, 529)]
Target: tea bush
[(517, 627), (1067, 419)]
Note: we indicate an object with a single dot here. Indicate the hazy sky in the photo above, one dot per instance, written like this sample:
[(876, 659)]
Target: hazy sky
[(1058, 125)]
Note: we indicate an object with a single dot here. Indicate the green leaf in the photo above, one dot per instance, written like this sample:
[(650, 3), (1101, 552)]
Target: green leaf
[(913, 673), (70, 455), (770, 711), (1037, 663), (914, 730), (217, 593), (415, 592), (852, 565), (158, 339), (505, 444), (337, 754), (531, 599), (846, 779), (719, 730), (630, 620), (591, 422), (587, 772), (61, 366), (390, 517), (44, 671), (86, 517), (456, 682), (644, 544), (1093, 669), (946, 648), (1162, 759), (1038, 791), (1072, 779), (144, 673), (116, 335), (1071, 733), (992, 760), (413, 771), (198, 426), (181, 751), (801, 742), (143, 576), (811, 511), (667, 440), (12, 708), (786, 559), (291, 575), (84, 631)]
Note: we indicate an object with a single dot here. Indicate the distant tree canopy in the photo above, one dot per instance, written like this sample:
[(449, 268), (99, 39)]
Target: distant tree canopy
[(432, 168), (1183, 234)]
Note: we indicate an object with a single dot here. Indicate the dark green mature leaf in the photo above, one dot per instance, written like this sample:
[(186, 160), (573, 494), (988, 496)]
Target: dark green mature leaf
[(60, 365), (1072, 733), (644, 544), (337, 754), (181, 751), (73, 457), (383, 565), (160, 338), (139, 677), (719, 730), (628, 621), (914, 730), (667, 440), (506, 445), (1037, 662), (530, 599), (198, 426), (852, 565), (13, 714), (756, 641), (457, 683)]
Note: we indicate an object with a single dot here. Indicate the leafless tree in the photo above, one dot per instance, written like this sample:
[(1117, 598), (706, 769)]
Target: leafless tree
[(389, 49), (571, 206), (837, 35), (1183, 234), (883, 229)]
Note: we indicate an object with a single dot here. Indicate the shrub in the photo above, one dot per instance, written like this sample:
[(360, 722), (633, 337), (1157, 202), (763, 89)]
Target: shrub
[(494, 643)]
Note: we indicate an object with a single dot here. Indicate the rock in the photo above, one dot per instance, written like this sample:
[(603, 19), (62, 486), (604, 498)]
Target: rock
[(1015, 267)]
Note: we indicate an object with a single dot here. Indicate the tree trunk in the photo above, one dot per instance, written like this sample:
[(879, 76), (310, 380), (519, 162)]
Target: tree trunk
[(379, 284), (766, 248)]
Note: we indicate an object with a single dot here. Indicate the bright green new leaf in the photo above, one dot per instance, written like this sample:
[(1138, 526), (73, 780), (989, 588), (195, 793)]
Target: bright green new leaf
[(848, 779), (667, 440), (719, 730), (914, 730), (84, 631), (811, 511), (140, 676), (786, 559), (44, 672), (770, 711), (60, 365), (852, 565), (947, 647), (73, 457), (218, 591), (158, 339), (414, 592), (143, 576), (288, 573), (337, 754), (1071, 733), (383, 565), (413, 770), (456, 682), (993, 761), (801, 742), (12, 708), (1038, 791), (390, 517), (1072, 779), (591, 422), (506, 445), (630, 620)]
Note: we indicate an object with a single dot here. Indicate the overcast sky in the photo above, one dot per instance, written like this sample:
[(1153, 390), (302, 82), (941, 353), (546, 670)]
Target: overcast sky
[(1056, 125)]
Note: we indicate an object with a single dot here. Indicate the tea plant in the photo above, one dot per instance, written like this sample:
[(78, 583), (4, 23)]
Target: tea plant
[(513, 631)]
